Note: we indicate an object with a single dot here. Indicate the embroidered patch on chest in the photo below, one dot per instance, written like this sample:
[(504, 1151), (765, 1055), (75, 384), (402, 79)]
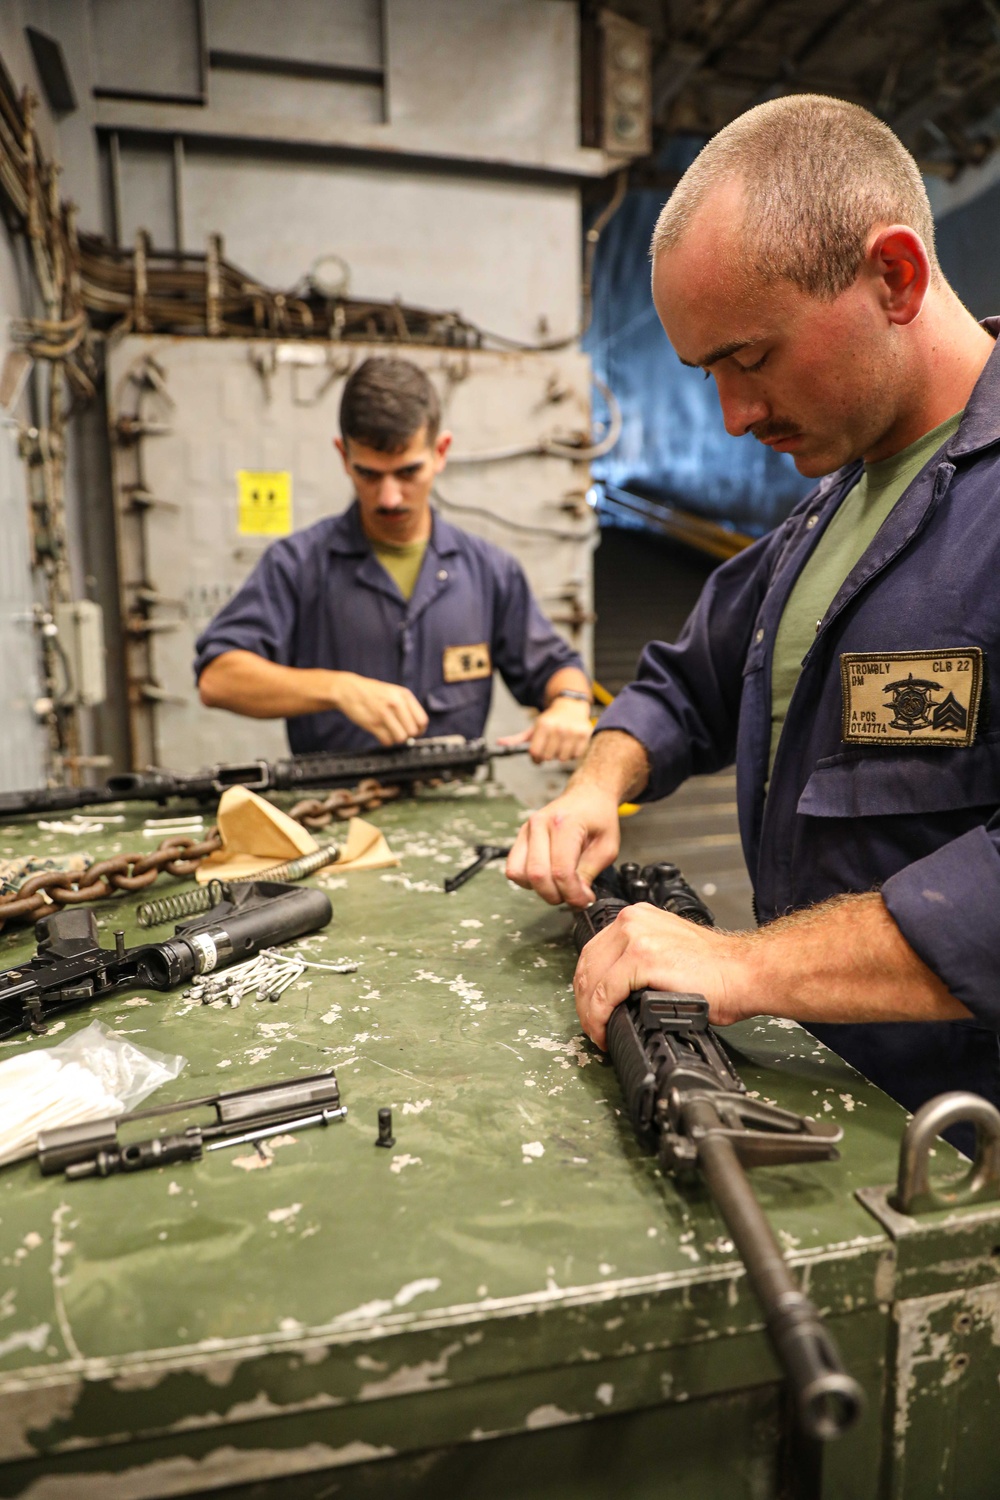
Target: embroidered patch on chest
[(467, 663), (911, 697)]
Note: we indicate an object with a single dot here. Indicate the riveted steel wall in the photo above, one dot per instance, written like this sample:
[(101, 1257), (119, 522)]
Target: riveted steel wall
[(187, 414), (22, 756)]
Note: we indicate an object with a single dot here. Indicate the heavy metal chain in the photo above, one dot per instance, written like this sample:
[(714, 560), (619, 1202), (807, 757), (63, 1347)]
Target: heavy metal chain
[(314, 812), (178, 855)]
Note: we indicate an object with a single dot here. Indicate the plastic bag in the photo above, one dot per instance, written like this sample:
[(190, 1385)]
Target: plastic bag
[(89, 1076)]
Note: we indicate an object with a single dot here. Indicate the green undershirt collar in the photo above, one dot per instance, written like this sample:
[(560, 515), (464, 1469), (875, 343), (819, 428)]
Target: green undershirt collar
[(848, 536)]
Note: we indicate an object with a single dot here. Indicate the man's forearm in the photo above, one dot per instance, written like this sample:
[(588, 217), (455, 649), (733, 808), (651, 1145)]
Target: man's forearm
[(249, 684), (842, 961), (615, 762), (845, 961)]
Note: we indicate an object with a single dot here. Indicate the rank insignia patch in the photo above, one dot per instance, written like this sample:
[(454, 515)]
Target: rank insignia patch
[(467, 663), (910, 697)]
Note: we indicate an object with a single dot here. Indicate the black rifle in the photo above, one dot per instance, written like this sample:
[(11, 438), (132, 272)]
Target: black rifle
[(687, 1103), (71, 968), (92, 1149), (441, 759)]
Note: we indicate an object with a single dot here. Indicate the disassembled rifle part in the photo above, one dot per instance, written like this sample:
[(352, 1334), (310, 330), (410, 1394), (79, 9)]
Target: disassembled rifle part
[(93, 1148), (71, 968), (266, 977), (688, 1104), (204, 897), (385, 1135), (485, 854)]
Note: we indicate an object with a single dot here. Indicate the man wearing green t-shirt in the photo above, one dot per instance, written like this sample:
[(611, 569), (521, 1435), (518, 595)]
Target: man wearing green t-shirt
[(387, 622), (845, 541), (844, 662)]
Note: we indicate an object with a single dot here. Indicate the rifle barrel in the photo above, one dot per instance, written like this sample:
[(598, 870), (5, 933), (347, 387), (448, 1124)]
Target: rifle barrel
[(828, 1400)]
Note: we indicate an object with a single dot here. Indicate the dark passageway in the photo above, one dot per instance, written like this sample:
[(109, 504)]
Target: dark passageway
[(644, 589)]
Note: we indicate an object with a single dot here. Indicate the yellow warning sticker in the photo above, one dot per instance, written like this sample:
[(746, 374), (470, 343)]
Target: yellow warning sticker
[(911, 697), (265, 502)]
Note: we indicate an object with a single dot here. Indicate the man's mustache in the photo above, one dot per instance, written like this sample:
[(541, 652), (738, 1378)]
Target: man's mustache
[(773, 431)]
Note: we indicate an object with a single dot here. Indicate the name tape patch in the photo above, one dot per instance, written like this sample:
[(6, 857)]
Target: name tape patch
[(911, 697), (467, 663)]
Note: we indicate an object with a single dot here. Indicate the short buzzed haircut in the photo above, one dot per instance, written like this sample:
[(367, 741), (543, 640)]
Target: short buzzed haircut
[(817, 175), (385, 404)]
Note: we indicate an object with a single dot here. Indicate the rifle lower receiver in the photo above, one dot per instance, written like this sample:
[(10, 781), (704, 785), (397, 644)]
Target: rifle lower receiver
[(71, 968)]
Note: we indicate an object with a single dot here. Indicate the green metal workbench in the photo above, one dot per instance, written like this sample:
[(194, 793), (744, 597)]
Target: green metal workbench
[(509, 1303)]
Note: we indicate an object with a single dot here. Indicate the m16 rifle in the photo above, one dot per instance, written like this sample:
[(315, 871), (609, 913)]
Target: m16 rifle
[(442, 759), (687, 1103), (71, 968)]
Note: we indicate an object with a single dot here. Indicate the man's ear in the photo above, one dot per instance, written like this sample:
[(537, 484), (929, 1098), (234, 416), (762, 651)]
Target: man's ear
[(341, 448), (898, 259), (441, 447)]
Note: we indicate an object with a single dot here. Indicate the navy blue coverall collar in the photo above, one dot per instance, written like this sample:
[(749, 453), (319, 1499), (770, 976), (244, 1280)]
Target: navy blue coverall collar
[(348, 538)]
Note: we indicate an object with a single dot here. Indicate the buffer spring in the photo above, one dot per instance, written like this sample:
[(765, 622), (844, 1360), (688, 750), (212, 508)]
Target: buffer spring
[(204, 897)]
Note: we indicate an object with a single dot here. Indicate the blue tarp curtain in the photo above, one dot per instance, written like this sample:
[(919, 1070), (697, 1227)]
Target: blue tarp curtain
[(673, 445)]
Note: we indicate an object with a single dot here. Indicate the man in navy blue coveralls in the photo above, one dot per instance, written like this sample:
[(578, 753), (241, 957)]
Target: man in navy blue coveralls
[(386, 623), (795, 264)]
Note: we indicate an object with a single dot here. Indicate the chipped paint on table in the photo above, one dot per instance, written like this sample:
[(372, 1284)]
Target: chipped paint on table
[(513, 1264)]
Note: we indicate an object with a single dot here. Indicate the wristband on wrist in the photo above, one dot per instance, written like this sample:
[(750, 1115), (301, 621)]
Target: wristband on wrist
[(574, 693)]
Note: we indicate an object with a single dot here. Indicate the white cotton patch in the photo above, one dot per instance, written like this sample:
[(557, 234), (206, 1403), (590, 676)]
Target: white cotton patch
[(532, 1150)]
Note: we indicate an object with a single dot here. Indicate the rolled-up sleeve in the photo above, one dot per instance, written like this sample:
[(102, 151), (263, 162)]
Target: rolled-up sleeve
[(527, 648), (684, 704), (947, 906), (262, 617)]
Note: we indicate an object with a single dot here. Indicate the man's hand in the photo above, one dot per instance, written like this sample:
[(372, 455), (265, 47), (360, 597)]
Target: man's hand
[(387, 710), (249, 684), (648, 949), (561, 848), (561, 732), (844, 961)]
